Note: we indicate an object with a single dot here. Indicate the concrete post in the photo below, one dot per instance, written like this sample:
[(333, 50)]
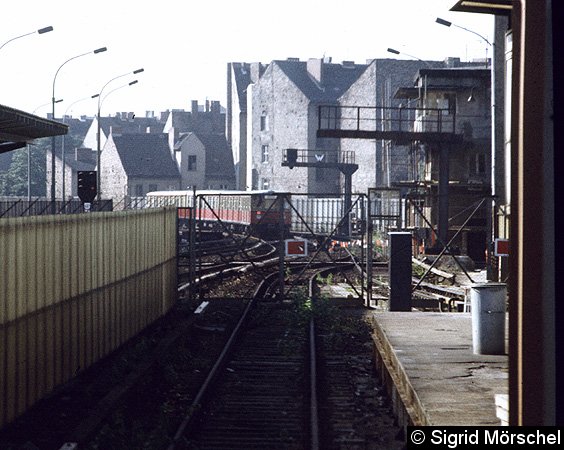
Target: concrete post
[(399, 267)]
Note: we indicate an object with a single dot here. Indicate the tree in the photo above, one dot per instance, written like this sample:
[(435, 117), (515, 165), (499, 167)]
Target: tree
[(14, 181)]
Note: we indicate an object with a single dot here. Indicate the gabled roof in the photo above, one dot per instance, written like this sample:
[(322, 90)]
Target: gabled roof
[(219, 159), (181, 119), (146, 155), (206, 121), (130, 125), (336, 80), (242, 76), (77, 129)]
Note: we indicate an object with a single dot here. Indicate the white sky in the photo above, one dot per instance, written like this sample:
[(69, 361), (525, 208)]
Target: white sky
[(184, 46)]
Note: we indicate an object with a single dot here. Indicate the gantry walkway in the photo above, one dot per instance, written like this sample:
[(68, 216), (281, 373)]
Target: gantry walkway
[(402, 126)]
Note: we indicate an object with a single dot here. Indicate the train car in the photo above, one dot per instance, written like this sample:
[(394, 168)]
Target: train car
[(244, 211)]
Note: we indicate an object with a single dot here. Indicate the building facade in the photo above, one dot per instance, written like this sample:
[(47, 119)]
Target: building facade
[(134, 164), (205, 161), (275, 107), (462, 98)]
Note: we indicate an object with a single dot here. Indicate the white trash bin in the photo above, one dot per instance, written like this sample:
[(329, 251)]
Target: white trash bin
[(487, 303)]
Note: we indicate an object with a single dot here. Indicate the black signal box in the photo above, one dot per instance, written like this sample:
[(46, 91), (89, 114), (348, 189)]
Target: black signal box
[(87, 190), (291, 157)]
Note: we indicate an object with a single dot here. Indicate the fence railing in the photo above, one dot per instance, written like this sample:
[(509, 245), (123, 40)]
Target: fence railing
[(72, 289), (385, 119), (18, 207), (22, 207)]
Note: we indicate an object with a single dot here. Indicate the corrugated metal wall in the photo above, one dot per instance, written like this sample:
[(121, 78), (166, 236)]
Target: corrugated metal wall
[(74, 288)]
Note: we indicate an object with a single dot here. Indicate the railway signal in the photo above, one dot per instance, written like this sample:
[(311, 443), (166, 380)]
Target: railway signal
[(296, 247), (87, 185)]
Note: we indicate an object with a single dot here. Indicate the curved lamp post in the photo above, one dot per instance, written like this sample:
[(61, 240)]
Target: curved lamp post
[(28, 148), (40, 31), (446, 23), (98, 50), (98, 133), (397, 52), (493, 150)]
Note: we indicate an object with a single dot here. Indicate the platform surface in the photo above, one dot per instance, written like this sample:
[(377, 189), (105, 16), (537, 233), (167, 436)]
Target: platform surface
[(442, 381)]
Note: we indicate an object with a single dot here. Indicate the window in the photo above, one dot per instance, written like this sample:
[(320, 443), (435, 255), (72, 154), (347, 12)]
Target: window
[(263, 122), (153, 187), (451, 103), (192, 163), (265, 183), (139, 190), (478, 164), (264, 153)]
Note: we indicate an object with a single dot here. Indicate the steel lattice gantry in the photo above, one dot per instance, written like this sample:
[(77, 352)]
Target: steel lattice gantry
[(434, 126)]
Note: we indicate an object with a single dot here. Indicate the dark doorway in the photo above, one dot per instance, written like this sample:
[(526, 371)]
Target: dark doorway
[(477, 248)]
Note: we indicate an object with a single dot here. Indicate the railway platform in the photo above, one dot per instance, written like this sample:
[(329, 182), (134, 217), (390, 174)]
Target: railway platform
[(432, 376)]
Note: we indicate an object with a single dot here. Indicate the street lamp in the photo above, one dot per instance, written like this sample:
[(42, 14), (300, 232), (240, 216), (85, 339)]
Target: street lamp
[(40, 31), (98, 137), (493, 151), (63, 138), (446, 23), (98, 50), (28, 148), (397, 52)]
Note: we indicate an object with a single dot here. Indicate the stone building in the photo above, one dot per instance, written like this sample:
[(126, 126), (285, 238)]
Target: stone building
[(205, 161), (124, 123), (198, 145), (275, 107), (207, 119), (134, 164), (68, 148), (195, 141), (239, 76)]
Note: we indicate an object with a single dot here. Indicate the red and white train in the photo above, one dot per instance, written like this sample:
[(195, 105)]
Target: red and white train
[(254, 211)]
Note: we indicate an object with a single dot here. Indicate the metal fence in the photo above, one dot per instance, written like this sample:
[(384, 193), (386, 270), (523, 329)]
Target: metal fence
[(381, 118), (18, 207), (72, 289), (323, 214), (23, 207)]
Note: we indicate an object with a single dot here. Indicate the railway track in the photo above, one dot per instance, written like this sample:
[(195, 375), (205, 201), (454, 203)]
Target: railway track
[(273, 389), (266, 399), (259, 402)]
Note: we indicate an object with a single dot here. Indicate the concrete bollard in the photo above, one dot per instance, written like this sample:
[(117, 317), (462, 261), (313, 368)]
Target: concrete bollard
[(487, 303)]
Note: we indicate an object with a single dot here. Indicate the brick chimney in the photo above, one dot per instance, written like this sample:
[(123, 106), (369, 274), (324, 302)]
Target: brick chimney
[(194, 106)]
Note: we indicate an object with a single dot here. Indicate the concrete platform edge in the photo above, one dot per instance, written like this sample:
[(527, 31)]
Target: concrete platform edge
[(405, 403)]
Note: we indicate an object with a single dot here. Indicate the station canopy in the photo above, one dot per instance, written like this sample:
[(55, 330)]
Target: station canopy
[(18, 128)]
